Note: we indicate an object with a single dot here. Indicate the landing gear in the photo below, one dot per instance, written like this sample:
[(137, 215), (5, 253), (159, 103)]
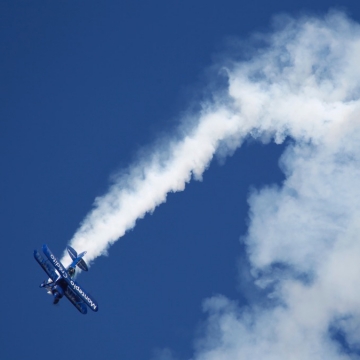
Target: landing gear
[(56, 297), (58, 293)]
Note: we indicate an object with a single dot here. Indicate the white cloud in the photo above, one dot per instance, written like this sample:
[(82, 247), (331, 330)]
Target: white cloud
[(305, 85), (163, 354)]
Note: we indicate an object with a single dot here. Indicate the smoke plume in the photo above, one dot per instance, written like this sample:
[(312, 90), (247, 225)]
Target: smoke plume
[(301, 84)]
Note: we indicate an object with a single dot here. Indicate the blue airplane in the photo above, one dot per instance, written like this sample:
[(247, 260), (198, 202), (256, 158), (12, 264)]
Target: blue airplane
[(61, 282)]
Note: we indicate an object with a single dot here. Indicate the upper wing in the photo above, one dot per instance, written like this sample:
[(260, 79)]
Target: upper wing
[(57, 264), (45, 265), (76, 301)]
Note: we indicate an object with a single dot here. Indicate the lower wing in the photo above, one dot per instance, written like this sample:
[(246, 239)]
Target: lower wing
[(75, 300), (82, 294)]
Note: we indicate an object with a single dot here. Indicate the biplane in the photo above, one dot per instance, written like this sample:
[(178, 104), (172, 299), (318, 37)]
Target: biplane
[(61, 282)]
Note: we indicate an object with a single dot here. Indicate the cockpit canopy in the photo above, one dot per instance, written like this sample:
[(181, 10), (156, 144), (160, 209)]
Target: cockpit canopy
[(71, 271)]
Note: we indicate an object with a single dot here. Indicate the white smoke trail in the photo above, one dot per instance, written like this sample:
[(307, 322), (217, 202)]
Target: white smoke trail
[(305, 85), (311, 95), (148, 183)]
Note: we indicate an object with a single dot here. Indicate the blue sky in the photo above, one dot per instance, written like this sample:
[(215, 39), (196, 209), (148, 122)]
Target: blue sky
[(90, 89)]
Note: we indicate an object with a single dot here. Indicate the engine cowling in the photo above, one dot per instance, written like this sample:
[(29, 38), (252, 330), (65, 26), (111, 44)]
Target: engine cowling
[(58, 293)]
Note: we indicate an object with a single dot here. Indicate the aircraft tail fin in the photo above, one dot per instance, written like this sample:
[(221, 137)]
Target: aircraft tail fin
[(77, 259)]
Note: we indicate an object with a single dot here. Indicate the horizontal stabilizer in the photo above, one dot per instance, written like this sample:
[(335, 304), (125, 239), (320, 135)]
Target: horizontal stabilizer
[(82, 265), (72, 252)]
